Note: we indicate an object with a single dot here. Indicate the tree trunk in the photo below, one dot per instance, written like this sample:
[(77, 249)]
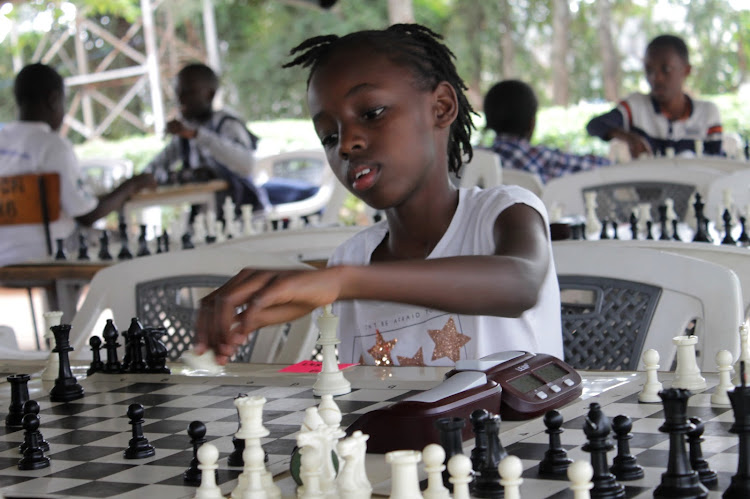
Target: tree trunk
[(400, 11), (507, 46), (610, 66), (474, 13), (560, 30)]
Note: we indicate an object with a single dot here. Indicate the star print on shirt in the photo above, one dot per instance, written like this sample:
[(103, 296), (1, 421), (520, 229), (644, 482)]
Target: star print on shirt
[(417, 360), (448, 341), (381, 351)]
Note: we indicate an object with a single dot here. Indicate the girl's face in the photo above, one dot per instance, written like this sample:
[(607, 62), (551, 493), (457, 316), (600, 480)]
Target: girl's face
[(379, 130), (666, 72)]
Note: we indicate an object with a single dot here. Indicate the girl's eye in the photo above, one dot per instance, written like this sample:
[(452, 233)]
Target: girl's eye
[(373, 113), (329, 140)]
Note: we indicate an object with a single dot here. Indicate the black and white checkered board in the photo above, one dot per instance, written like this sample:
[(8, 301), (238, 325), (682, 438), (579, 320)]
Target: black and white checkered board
[(87, 436)]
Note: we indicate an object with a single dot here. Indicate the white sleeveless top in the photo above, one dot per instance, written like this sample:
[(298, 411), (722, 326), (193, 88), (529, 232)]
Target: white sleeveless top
[(408, 335)]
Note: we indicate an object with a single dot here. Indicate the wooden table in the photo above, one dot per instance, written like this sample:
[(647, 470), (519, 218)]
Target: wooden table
[(192, 193)]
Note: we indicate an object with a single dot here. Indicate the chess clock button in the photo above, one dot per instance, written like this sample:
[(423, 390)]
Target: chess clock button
[(569, 382), (541, 395), (555, 388)]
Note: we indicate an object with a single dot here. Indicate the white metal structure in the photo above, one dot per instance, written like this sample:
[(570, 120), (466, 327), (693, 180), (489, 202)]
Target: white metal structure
[(692, 289)]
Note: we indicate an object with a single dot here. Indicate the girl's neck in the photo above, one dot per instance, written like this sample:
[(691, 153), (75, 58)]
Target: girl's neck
[(676, 109)]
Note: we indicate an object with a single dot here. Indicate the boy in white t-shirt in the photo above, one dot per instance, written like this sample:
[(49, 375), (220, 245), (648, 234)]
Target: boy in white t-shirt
[(32, 145), (449, 274)]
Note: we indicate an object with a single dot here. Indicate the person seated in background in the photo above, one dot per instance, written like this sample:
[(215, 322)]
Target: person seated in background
[(667, 117), (510, 110), (208, 143), (32, 145)]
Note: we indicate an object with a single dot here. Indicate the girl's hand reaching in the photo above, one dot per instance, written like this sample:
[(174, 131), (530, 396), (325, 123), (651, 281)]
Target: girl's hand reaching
[(255, 298)]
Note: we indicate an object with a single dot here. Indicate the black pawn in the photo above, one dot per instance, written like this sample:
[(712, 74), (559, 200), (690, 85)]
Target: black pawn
[(33, 456), (614, 230), (487, 482), (649, 233), (187, 241), (19, 395), (633, 227), (66, 385), (451, 439), (104, 253), (708, 477), (83, 247), (555, 460), (110, 345), (138, 447), (143, 243), (624, 465), (675, 235), (604, 234), (680, 480), (727, 218), (125, 253), (32, 407), (197, 432), (165, 241), (60, 254), (159, 248), (663, 222), (740, 399), (96, 363), (597, 428), (478, 419), (744, 239)]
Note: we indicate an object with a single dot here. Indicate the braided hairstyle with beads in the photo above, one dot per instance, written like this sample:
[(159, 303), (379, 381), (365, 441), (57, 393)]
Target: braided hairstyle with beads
[(410, 45)]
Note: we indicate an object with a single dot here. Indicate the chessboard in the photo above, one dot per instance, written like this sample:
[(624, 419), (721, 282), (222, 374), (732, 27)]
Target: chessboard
[(87, 436)]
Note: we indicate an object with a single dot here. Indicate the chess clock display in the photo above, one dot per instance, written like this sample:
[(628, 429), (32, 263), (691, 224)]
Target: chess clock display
[(532, 383)]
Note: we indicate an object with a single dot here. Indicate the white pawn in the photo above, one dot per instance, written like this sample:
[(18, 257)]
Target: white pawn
[(724, 366), (433, 456), (52, 368), (510, 470), (687, 374), (744, 353), (652, 387), (208, 454), (459, 467), (580, 474), (247, 220), (404, 475)]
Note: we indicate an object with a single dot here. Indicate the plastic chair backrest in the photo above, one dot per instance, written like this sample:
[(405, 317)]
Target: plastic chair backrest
[(527, 180), (483, 170), (737, 185), (620, 188), (690, 290), (30, 199), (167, 287)]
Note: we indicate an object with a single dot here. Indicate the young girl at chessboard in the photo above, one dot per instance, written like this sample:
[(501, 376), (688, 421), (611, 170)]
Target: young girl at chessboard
[(449, 274)]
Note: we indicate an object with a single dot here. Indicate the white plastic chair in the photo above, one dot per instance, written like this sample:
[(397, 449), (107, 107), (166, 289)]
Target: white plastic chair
[(620, 188), (738, 185), (483, 170), (527, 180), (686, 289), (166, 287)]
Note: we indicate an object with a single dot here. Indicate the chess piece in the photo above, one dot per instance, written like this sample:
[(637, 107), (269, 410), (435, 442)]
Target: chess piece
[(698, 148), (310, 466), (624, 465), (743, 239), (66, 385), (330, 379), (597, 428), (649, 227), (104, 254), (165, 240), (352, 481), (33, 456), (615, 235), (652, 387), (739, 487), (511, 469), (459, 468), (604, 234), (83, 247), (679, 480), (555, 461), (252, 430), (96, 363), (675, 235), (60, 253), (663, 222), (138, 446), (434, 456), (143, 242), (110, 345), (156, 351), (187, 241), (707, 476), (724, 366), (478, 418), (728, 239), (210, 227), (197, 432), (247, 219), (580, 474), (633, 226), (207, 456), (32, 407), (450, 431), (134, 344), (235, 458), (124, 253), (701, 232), (52, 367), (593, 226), (19, 395), (487, 483), (744, 354), (687, 373)]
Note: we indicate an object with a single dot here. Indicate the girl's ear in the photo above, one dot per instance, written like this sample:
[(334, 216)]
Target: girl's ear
[(445, 104)]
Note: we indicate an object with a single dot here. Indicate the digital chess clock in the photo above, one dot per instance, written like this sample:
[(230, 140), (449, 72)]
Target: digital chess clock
[(532, 383)]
